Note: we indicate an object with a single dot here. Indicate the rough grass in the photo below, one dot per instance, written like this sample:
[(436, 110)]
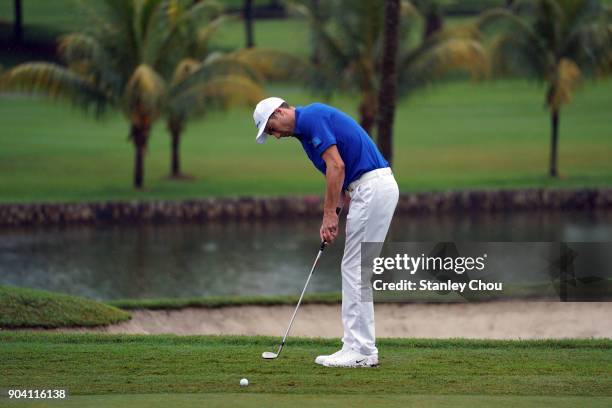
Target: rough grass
[(37, 308), (122, 364)]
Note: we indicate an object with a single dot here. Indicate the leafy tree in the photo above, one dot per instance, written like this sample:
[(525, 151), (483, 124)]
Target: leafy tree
[(554, 41), (351, 47), (133, 58)]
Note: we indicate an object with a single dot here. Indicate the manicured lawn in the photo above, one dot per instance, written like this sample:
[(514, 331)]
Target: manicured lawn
[(244, 398), (87, 364), (45, 16), (288, 35), (454, 136)]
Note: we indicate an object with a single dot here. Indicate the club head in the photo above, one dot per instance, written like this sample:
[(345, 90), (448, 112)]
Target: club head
[(268, 355)]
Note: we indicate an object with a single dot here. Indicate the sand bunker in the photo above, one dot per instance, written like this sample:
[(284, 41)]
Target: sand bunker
[(492, 320)]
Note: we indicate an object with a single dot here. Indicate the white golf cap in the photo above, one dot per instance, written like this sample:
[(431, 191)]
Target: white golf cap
[(262, 113)]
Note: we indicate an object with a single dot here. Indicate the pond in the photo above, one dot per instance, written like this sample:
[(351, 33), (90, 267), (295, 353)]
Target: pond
[(239, 258)]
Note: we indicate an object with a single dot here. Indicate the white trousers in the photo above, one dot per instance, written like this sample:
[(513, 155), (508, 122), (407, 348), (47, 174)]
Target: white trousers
[(373, 200)]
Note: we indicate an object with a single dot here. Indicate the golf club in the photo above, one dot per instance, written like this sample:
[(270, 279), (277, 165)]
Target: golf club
[(269, 355)]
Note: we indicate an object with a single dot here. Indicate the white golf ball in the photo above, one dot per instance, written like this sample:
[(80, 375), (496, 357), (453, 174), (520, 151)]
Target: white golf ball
[(244, 382)]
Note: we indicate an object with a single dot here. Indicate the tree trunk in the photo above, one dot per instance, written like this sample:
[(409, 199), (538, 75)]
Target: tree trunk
[(316, 49), (248, 23), (176, 165), (386, 99), (18, 23), (433, 22), (176, 129), (139, 167), (553, 142), (139, 136)]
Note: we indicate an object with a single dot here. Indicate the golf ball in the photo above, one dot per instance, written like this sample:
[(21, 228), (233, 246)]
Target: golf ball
[(244, 382)]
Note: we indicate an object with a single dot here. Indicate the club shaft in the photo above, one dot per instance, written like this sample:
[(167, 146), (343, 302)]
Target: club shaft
[(299, 301), (314, 265)]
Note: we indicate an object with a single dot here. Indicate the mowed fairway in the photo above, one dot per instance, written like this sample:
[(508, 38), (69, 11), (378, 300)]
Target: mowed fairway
[(124, 370), (453, 136)]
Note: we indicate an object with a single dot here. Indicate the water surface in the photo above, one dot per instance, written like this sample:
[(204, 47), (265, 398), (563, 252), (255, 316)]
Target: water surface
[(238, 258)]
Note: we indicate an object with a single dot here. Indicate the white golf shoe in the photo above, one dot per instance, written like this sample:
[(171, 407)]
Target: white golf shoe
[(323, 359), (348, 358)]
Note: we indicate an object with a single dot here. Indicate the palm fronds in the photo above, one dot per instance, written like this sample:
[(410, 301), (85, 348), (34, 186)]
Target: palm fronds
[(144, 95), (55, 81), (272, 65), (218, 93)]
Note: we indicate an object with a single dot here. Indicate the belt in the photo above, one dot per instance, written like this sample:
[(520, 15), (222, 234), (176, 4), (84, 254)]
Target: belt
[(369, 176)]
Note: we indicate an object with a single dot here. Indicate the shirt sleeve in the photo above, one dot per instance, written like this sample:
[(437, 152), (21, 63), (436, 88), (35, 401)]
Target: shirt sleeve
[(322, 134)]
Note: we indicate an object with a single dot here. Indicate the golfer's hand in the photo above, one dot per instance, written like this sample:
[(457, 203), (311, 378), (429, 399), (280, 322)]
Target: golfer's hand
[(329, 227)]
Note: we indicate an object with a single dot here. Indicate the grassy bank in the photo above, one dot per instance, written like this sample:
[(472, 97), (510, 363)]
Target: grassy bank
[(88, 364), (222, 301), (600, 291), (455, 136), (21, 307)]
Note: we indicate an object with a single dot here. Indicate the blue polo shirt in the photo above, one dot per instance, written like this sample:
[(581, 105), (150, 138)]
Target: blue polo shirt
[(319, 126)]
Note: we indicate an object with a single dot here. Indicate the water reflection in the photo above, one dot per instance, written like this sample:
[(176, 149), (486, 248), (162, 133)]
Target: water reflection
[(181, 260)]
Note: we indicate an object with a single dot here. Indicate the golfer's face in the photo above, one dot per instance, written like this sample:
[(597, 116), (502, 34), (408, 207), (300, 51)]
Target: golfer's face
[(278, 125)]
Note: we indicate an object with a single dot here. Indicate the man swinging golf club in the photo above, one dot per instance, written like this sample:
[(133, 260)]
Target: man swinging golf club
[(351, 162)]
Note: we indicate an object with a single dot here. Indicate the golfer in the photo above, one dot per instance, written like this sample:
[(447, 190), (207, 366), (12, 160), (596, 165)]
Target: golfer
[(350, 161)]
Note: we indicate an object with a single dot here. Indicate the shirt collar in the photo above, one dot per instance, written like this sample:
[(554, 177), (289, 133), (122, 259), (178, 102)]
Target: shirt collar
[(297, 131)]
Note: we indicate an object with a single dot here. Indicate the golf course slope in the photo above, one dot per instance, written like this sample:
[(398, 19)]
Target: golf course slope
[(27, 308)]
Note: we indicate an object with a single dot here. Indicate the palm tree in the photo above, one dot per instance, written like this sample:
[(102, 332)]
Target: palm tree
[(272, 65), (386, 99), (197, 87), (124, 62), (221, 81), (352, 45), (555, 42)]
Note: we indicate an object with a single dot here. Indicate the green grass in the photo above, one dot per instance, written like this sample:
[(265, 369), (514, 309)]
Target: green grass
[(88, 364), (598, 291), (244, 398), (45, 20), (294, 33), (454, 136), (37, 308), (223, 301), (56, 15), (69, 15)]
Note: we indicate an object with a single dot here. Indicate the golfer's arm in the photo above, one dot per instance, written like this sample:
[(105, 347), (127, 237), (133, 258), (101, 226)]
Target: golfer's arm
[(334, 177)]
